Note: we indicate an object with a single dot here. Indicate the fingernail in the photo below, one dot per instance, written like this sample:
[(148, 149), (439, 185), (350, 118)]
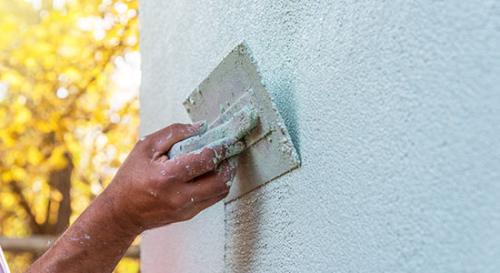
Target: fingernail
[(201, 126), (229, 176), (227, 171), (229, 183)]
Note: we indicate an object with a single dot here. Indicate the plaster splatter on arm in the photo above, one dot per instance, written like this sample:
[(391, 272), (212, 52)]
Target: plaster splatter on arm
[(149, 190)]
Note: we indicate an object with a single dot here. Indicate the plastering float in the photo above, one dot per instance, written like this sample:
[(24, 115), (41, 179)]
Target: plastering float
[(234, 102)]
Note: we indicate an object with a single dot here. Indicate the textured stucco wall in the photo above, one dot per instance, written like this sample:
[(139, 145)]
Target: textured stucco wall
[(395, 108)]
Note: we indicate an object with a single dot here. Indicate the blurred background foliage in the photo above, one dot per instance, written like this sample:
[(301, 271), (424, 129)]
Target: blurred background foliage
[(69, 78)]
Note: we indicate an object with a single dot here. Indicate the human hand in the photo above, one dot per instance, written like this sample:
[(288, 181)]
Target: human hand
[(151, 190)]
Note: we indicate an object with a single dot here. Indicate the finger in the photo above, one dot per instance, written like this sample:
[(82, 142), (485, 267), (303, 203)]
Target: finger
[(163, 139), (189, 166), (211, 184)]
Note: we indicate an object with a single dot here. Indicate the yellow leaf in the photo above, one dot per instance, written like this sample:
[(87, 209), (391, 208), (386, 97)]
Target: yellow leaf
[(23, 115), (7, 176), (8, 200), (41, 129), (18, 174), (34, 156)]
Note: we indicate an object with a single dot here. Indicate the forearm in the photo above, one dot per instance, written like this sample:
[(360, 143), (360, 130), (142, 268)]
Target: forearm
[(94, 243), (149, 190)]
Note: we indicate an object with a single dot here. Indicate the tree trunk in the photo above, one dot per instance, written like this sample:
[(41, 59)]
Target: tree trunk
[(61, 181)]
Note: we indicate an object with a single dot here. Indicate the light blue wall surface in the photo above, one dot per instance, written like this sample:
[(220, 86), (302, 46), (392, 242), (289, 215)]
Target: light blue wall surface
[(395, 108)]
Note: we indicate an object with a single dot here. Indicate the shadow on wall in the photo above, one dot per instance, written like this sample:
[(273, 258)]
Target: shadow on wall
[(285, 99), (242, 236), (245, 215)]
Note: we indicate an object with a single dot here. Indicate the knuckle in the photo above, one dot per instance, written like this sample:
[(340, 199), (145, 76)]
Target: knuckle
[(177, 128), (209, 158), (221, 186), (142, 143), (191, 215), (176, 202), (170, 179), (223, 195), (162, 176), (185, 217), (179, 201), (219, 182), (209, 152), (155, 182)]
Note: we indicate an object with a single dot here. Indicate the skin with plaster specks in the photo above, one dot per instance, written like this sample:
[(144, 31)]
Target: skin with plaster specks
[(149, 190)]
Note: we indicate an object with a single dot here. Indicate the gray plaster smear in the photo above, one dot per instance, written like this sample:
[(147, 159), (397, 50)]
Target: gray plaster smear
[(395, 109), (234, 92)]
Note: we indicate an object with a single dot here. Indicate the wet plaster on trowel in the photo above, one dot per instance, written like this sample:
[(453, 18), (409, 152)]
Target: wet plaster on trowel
[(235, 84), (235, 129), (228, 133)]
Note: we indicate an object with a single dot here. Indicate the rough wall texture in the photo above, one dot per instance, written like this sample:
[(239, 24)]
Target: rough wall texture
[(395, 108)]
